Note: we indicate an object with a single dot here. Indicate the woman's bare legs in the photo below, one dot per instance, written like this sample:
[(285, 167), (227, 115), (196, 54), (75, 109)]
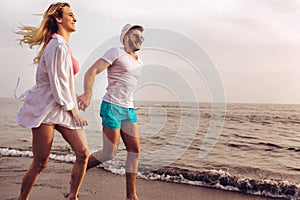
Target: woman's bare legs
[(42, 138), (77, 140)]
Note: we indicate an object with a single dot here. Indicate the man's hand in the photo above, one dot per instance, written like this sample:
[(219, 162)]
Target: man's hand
[(83, 101)]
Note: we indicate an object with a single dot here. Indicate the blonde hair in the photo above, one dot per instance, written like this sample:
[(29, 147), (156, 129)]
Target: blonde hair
[(41, 35)]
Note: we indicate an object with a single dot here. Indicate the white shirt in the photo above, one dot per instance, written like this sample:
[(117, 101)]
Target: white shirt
[(54, 92), (122, 74)]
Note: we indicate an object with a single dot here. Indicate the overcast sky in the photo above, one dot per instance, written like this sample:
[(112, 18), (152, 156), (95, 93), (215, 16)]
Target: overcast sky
[(254, 44)]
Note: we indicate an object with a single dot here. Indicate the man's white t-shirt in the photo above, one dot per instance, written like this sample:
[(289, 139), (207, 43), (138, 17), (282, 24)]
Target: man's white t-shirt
[(122, 74)]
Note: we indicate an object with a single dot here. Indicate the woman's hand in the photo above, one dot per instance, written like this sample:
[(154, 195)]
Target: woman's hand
[(78, 119)]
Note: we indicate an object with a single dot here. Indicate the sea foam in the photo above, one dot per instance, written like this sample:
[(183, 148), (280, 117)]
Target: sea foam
[(210, 178)]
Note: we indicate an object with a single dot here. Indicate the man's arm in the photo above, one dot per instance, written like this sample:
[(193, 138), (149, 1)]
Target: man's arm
[(89, 78)]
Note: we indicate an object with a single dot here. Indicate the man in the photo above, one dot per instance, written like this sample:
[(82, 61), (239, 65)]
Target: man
[(117, 111)]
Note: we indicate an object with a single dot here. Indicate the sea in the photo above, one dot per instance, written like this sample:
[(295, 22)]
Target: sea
[(249, 148)]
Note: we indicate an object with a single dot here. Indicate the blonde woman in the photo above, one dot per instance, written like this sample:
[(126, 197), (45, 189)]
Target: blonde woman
[(51, 103)]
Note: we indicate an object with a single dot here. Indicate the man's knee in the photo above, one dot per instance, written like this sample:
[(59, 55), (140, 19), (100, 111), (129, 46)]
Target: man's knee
[(134, 149), (109, 155), (134, 153)]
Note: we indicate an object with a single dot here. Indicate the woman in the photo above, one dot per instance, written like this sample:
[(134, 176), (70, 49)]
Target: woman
[(50, 104)]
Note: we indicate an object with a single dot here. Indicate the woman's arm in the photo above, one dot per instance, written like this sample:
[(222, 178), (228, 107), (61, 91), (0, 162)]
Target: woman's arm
[(59, 68)]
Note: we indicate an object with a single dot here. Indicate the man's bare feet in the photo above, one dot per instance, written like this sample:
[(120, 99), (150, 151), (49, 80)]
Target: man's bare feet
[(93, 162)]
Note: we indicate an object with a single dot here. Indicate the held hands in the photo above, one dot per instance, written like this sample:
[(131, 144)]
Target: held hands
[(83, 101)]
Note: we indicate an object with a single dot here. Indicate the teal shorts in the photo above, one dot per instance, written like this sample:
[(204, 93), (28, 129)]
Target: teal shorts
[(113, 116)]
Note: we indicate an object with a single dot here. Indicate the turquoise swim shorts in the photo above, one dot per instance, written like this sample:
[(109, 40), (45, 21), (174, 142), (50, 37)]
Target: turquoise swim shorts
[(113, 116)]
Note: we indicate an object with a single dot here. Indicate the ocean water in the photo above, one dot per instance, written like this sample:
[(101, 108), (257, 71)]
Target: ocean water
[(251, 148)]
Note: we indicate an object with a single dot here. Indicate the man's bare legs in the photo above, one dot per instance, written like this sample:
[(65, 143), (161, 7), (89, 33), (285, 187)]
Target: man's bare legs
[(111, 139), (131, 137)]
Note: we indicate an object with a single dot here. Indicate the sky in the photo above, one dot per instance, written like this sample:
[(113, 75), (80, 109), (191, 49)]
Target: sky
[(254, 45)]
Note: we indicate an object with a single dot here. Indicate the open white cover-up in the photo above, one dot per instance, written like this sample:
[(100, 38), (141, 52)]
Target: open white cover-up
[(53, 95)]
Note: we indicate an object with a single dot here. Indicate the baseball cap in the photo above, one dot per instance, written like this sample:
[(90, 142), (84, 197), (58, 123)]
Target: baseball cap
[(128, 27)]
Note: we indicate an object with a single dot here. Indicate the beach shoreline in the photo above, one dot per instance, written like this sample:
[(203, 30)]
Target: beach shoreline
[(101, 184)]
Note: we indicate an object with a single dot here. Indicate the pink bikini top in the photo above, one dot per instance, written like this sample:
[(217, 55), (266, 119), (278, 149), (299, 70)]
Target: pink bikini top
[(75, 64)]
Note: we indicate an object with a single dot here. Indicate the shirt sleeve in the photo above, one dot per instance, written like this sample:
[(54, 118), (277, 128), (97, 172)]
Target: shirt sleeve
[(110, 55), (60, 76)]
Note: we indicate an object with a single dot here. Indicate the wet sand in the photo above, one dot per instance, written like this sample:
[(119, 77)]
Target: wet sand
[(52, 184)]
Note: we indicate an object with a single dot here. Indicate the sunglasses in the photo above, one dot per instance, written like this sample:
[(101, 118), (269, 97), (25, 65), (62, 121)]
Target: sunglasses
[(138, 37)]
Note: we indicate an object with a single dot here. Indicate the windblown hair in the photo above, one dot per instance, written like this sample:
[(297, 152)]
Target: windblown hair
[(41, 35)]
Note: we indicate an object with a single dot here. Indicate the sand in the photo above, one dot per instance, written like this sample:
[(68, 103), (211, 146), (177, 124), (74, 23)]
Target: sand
[(99, 184)]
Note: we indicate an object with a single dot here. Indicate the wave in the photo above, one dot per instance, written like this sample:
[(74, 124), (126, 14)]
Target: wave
[(226, 181), (294, 149), (209, 178), (270, 145), (70, 158)]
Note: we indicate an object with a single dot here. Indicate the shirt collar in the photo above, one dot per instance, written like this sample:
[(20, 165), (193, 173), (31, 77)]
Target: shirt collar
[(59, 38)]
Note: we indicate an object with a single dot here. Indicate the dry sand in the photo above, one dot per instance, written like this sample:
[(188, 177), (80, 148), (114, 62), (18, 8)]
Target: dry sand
[(99, 184)]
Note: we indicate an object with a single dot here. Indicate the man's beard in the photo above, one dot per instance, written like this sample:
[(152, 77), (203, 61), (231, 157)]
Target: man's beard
[(131, 45)]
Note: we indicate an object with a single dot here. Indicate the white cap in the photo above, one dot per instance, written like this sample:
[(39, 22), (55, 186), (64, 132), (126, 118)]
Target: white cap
[(128, 27)]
